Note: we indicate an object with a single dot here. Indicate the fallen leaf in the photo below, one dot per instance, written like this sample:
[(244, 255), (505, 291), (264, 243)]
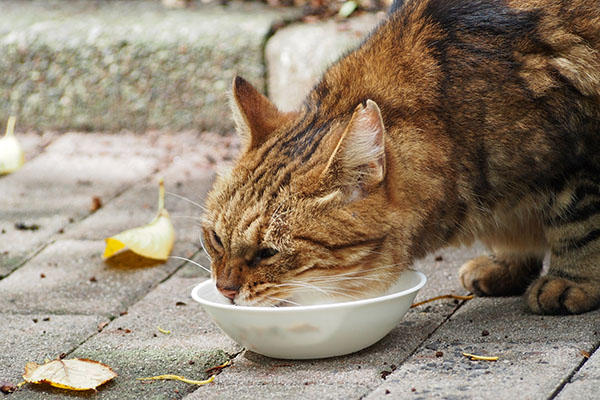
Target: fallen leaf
[(154, 240), (73, 374), (11, 154)]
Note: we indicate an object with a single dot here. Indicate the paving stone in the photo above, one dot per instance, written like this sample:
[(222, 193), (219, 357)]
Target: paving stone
[(584, 384), (529, 346), (188, 175), (36, 337), (69, 276), (56, 188), (128, 64), (297, 55), (134, 347)]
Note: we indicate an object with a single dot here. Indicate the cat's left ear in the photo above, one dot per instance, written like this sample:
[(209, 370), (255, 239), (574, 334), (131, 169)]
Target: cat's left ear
[(358, 161), (254, 115)]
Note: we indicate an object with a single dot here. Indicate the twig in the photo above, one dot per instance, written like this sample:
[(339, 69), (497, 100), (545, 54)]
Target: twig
[(474, 357), (445, 296), (178, 378)]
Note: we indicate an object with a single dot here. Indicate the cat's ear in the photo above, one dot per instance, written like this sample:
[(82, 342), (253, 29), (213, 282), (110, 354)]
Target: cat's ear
[(357, 163), (254, 115)]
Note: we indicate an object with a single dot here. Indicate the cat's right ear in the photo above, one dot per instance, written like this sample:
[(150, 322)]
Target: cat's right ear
[(358, 162), (254, 115)]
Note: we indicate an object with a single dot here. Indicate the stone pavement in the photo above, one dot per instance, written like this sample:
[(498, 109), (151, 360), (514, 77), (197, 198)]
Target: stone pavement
[(58, 297), (83, 65)]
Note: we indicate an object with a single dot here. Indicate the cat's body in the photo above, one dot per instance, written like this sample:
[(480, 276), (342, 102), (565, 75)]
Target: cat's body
[(455, 120)]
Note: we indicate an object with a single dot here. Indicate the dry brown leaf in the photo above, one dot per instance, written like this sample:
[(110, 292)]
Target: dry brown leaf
[(73, 374)]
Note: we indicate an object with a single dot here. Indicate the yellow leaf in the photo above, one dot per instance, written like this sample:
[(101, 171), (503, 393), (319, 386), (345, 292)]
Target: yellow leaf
[(154, 240), (11, 155), (74, 374)]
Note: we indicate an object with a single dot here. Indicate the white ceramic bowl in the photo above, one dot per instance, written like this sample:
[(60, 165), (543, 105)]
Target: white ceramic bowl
[(317, 331)]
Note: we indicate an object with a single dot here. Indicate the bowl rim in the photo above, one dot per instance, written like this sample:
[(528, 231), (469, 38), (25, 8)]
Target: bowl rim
[(292, 309)]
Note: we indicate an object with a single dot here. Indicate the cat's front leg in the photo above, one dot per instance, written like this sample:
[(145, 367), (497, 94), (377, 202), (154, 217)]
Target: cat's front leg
[(552, 294), (500, 274), (572, 285)]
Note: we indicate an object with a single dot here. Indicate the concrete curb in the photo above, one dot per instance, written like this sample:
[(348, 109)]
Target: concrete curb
[(108, 66)]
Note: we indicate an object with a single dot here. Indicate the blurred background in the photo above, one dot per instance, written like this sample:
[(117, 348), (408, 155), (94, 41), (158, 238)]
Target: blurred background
[(109, 66)]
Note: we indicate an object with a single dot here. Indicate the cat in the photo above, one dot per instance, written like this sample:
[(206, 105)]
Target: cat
[(454, 121)]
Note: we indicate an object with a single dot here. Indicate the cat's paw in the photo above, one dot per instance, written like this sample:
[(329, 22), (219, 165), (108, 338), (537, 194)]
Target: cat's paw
[(555, 295), (485, 276)]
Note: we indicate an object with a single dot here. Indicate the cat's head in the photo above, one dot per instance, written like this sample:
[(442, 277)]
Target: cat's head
[(301, 217)]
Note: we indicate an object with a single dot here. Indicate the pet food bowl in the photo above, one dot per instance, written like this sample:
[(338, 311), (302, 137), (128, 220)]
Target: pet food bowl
[(315, 331)]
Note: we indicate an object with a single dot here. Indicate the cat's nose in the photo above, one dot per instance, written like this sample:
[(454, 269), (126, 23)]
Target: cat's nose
[(229, 292)]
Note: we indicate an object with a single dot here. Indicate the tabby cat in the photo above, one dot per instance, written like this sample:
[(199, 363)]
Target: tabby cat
[(455, 120)]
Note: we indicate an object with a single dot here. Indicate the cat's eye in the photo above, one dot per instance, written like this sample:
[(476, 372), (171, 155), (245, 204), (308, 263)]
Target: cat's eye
[(263, 254), (216, 240)]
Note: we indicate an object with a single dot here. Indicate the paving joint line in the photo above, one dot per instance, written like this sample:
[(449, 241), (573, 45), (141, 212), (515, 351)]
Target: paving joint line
[(114, 317), (567, 380), (458, 307)]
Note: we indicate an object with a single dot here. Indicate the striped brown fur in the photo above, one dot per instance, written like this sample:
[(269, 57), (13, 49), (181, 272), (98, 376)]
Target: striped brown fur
[(454, 121)]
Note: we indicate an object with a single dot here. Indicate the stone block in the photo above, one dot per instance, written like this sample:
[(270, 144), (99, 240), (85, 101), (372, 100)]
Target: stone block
[(129, 64), (297, 55)]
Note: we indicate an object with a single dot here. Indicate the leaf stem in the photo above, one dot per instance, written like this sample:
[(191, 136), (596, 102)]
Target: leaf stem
[(161, 195), (10, 126)]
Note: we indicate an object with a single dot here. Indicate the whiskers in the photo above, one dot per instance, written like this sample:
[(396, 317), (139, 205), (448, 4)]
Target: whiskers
[(282, 302), (351, 285), (188, 200), (188, 217), (204, 247), (199, 219), (192, 262)]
